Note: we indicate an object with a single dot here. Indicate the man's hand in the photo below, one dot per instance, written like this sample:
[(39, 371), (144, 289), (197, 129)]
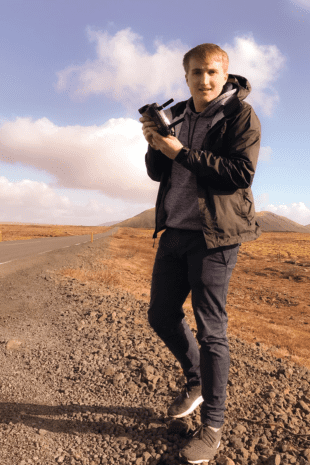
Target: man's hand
[(146, 126), (169, 146)]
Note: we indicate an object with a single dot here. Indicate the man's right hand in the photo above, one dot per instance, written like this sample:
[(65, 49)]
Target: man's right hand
[(147, 127)]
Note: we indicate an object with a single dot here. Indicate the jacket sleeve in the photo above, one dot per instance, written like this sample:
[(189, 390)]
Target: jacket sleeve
[(233, 166), (156, 163)]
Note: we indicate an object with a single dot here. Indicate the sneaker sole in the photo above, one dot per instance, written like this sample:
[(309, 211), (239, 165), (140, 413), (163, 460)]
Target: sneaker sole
[(194, 405), (202, 460)]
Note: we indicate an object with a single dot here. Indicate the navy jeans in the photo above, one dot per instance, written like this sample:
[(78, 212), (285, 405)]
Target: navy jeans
[(183, 264)]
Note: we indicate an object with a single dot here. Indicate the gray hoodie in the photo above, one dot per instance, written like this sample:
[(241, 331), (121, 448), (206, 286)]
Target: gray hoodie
[(181, 202)]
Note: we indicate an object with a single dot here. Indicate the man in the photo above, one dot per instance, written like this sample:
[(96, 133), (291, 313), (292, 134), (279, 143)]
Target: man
[(206, 205)]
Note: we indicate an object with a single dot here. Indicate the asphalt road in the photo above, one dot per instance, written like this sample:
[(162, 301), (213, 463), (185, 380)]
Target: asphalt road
[(17, 250)]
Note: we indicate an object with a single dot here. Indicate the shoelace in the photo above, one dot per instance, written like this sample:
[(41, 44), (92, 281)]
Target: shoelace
[(206, 435)]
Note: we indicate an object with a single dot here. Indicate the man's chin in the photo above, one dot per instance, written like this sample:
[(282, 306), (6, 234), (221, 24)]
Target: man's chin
[(203, 103)]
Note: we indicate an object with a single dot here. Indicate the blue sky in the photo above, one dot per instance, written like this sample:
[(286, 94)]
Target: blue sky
[(73, 74)]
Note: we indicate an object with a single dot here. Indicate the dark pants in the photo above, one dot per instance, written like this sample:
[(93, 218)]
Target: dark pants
[(183, 264)]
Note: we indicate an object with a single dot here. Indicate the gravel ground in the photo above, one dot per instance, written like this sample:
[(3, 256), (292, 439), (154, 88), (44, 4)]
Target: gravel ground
[(86, 381)]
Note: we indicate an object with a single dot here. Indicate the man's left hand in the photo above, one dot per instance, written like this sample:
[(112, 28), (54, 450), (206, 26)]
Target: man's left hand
[(169, 146)]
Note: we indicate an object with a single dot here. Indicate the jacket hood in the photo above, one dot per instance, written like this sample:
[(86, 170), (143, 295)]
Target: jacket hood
[(241, 84)]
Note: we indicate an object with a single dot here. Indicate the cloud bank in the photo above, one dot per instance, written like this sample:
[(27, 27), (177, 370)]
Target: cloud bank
[(33, 201), (126, 71), (298, 212), (107, 158), (36, 202)]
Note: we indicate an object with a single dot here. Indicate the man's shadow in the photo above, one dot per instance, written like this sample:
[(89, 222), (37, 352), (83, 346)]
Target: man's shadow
[(50, 418), (45, 417)]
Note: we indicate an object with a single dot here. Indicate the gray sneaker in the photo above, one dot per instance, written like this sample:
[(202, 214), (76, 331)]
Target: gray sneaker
[(202, 447), (186, 402)]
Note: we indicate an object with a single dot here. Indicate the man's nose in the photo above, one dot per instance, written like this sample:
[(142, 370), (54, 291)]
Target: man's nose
[(205, 79)]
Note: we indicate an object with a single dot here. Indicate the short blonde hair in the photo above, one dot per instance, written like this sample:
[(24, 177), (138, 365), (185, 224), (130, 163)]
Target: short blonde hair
[(203, 51)]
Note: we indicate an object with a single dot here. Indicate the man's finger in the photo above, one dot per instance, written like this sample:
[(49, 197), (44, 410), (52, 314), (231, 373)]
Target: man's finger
[(149, 124), (149, 131), (145, 119)]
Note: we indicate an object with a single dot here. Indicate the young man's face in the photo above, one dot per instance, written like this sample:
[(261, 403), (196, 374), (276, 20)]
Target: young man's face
[(205, 79)]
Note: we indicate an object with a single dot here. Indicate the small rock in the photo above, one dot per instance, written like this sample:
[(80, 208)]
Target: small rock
[(224, 461), (236, 442), (274, 460), (306, 454), (239, 429), (147, 370), (81, 325), (303, 406), (118, 377), (109, 371), (14, 344), (243, 452), (254, 457), (146, 455), (131, 387)]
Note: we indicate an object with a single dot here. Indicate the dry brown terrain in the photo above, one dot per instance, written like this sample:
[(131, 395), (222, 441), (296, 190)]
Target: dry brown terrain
[(86, 380), (269, 292), (17, 231)]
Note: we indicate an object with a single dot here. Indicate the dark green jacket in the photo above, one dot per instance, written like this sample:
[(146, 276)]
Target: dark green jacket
[(224, 170)]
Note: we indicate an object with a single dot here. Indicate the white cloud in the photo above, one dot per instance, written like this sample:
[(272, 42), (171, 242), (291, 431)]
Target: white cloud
[(298, 212), (265, 154), (107, 158), (305, 4), (30, 194), (36, 202), (31, 201), (125, 71), (261, 65)]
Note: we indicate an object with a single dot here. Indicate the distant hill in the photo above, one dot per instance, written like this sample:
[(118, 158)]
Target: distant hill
[(145, 220), (109, 223), (268, 221)]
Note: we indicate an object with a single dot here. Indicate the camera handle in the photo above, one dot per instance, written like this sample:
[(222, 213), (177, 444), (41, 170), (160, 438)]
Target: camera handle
[(154, 112)]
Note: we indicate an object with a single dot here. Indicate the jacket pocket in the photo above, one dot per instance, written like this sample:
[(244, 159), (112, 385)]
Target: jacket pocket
[(247, 206)]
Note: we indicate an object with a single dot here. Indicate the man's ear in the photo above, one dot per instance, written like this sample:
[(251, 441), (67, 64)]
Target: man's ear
[(186, 78)]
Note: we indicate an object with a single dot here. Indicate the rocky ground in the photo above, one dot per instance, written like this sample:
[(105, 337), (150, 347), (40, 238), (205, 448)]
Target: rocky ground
[(84, 380)]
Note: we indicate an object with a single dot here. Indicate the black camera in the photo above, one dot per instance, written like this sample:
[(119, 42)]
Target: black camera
[(154, 111)]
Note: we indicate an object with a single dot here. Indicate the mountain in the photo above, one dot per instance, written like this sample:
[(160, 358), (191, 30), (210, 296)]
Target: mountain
[(268, 221), (109, 223), (145, 220)]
